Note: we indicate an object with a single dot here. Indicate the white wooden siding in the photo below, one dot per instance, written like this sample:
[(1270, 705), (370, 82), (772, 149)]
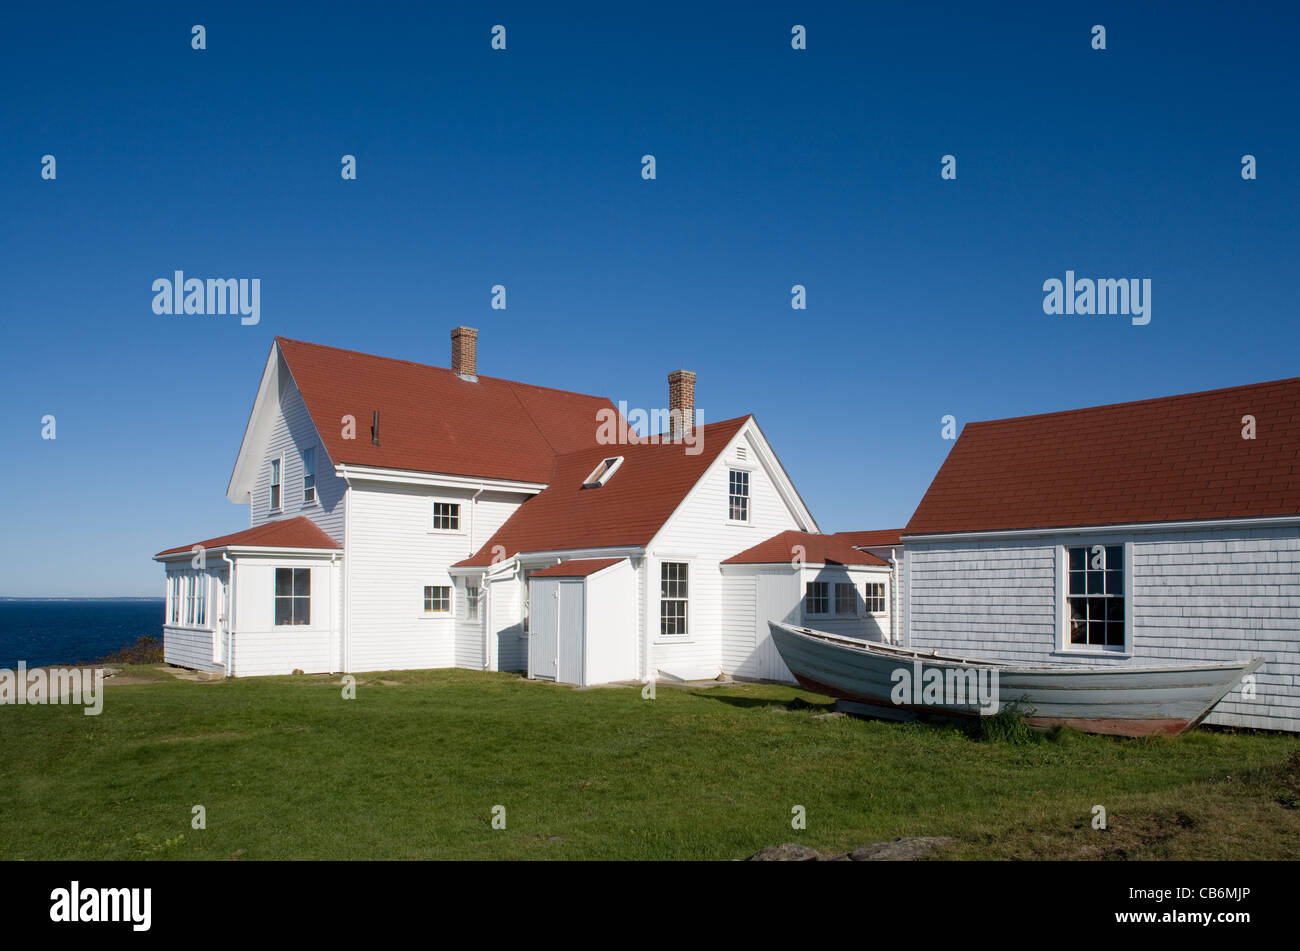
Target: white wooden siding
[(1199, 595), (700, 534), (260, 647), (393, 555), (291, 432)]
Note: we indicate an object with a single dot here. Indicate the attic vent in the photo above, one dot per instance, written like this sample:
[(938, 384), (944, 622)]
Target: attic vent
[(742, 453), (600, 475)]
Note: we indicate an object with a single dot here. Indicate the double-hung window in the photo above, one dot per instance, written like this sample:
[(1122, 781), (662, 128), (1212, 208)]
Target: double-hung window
[(471, 602), (876, 597), (309, 475), (275, 485), (817, 598), (846, 598), (674, 598), (738, 496), (1095, 615)]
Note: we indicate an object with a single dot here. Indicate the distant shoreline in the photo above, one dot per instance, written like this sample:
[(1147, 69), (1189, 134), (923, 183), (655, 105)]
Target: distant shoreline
[(32, 600)]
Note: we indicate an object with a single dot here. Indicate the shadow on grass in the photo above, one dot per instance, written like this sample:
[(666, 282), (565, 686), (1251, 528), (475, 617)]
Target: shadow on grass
[(748, 702)]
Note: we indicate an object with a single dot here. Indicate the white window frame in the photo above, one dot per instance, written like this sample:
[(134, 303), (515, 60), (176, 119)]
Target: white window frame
[(291, 597), (884, 598), (1063, 643), (473, 609), (748, 496), (829, 603), (460, 517), (855, 611), (685, 635), (276, 486), (603, 472), (427, 601), (314, 499)]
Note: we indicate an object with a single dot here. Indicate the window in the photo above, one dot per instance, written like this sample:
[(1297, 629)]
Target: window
[(601, 474), (309, 474), (876, 598), (673, 596), (292, 596), (446, 517), (846, 598), (174, 594), (1095, 586), (437, 599), (189, 599), (201, 600), (817, 598), (738, 496), (471, 602), (275, 484)]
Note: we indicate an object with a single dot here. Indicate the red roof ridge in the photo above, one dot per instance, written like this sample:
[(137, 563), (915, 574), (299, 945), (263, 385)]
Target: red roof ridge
[(430, 366), (1127, 403)]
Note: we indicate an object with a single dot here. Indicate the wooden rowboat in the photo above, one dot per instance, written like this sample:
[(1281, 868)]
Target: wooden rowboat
[(1120, 700)]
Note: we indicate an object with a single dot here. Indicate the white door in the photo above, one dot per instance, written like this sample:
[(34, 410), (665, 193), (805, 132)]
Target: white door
[(773, 596), (572, 623), (543, 628)]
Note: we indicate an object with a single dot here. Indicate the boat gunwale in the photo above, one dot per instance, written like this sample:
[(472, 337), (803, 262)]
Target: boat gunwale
[(871, 647)]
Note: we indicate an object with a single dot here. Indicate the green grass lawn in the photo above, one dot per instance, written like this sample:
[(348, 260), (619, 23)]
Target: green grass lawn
[(413, 767)]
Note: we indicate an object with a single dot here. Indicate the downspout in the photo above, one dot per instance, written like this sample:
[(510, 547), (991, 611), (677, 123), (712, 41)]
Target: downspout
[(333, 577), (230, 614)]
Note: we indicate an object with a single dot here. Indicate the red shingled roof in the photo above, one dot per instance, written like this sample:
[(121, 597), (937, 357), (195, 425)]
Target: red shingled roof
[(430, 420), (837, 549), (1171, 459), (628, 510), (299, 532), (580, 568)]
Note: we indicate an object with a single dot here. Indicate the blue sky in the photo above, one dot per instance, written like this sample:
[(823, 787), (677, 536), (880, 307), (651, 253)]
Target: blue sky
[(775, 167)]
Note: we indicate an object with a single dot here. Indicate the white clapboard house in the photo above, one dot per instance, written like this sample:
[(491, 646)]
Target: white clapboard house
[(409, 516), (1136, 533)]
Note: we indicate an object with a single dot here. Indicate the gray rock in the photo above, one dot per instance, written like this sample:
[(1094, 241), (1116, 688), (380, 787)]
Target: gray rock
[(900, 850), (786, 852)]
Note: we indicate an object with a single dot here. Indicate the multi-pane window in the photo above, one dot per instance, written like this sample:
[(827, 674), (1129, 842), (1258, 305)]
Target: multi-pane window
[(673, 597), (1095, 584), (846, 598), (188, 593), (200, 600), (309, 474), (876, 598), (471, 603), (738, 496), (292, 596), (446, 516), (437, 599), (275, 484), (817, 598), (175, 594)]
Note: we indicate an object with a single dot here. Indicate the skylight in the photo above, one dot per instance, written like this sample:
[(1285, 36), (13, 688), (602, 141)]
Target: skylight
[(600, 475)]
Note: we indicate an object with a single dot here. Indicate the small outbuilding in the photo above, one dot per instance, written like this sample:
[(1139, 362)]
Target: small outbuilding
[(841, 583), (579, 629)]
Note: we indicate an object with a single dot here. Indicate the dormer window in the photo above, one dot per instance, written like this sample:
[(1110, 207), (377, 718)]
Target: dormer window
[(600, 475)]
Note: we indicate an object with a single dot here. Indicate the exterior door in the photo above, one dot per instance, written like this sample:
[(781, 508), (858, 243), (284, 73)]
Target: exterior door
[(543, 629), (572, 622)]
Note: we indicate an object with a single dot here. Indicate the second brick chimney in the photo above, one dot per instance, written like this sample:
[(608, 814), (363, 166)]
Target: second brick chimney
[(464, 353), (681, 402)]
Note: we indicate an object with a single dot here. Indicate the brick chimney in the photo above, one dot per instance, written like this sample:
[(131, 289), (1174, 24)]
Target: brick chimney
[(464, 353), (681, 402)]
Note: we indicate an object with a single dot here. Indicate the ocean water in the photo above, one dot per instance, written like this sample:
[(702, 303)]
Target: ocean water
[(61, 633)]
